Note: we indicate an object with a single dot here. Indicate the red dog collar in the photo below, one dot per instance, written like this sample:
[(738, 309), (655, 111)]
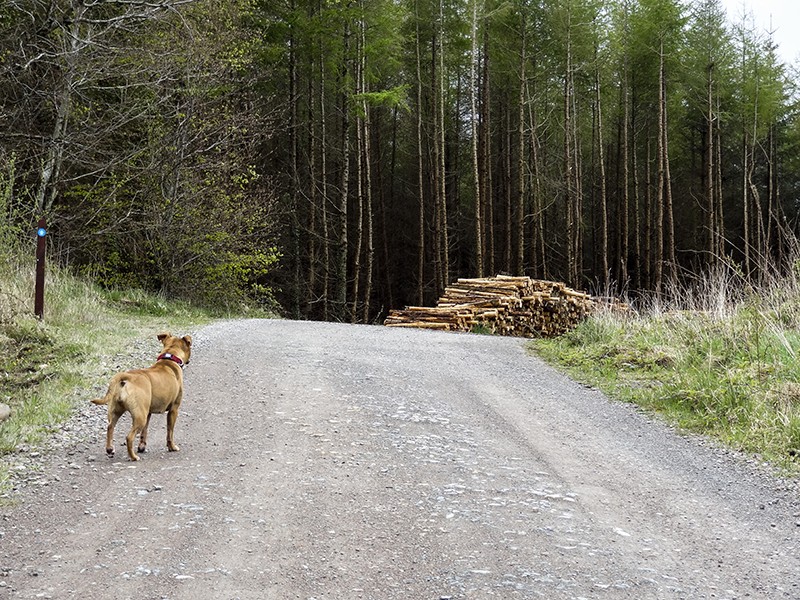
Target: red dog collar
[(172, 357)]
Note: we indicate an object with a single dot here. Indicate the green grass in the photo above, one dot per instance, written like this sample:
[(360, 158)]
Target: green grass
[(729, 371), (482, 329)]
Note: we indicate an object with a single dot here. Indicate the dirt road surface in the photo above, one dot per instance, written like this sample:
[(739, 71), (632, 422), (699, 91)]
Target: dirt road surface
[(323, 461)]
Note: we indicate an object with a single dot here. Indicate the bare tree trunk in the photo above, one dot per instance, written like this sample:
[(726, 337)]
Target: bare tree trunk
[(623, 233), (295, 173), (650, 240), (420, 171), (710, 167), (519, 266), (578, 188), (757, 226), (672, 263), (538, 247), (359, 220), (774, 224), (387, 272), (720, 216), (51, 165), (569, 191), (476, 171), (435, 164), (442, 188), (746, 217), (603, 193), (487, 193), (642, 278), (626, 178), (370, 250), (770, 192), (340, 266), (661, 186), (313, 213), (507, 180), (746, 204), (324, 212)]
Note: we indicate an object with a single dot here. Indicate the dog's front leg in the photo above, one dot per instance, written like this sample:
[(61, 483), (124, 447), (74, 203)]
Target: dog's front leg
[(139, 423), (143, 437), (172, 417)]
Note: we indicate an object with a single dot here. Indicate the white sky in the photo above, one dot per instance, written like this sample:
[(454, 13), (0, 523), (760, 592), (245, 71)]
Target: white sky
[(785, 22)]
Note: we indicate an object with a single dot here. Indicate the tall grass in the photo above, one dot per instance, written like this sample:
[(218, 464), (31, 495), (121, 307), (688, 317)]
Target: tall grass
[(715, 355)]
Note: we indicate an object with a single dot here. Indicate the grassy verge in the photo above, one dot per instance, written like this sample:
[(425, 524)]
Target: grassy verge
[(47, 366), (725, 366)]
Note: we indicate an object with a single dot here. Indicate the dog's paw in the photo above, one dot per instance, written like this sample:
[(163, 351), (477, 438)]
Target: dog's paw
[(141, 449), (173, 448), (110, 451)]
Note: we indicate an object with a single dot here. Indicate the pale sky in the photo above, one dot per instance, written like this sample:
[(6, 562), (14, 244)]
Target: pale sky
[(785, 22)]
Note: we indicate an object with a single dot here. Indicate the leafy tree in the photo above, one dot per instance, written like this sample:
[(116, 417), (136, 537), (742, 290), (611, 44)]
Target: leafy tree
[(708, 73), (657, 28), (359, 155), (127, 121)]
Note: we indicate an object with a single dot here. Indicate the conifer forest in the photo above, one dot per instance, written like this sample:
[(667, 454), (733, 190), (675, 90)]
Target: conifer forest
[(338, 158)]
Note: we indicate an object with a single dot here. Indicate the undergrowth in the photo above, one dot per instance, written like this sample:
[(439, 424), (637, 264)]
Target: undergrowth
[(719, 359)]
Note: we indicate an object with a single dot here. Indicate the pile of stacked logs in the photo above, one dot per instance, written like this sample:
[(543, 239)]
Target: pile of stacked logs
[(515, 306)]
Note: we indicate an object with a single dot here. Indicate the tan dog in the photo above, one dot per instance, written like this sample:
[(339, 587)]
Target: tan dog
[(143, 392)]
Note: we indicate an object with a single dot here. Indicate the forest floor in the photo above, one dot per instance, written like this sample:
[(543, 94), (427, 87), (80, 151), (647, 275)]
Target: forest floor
[(335, 461)]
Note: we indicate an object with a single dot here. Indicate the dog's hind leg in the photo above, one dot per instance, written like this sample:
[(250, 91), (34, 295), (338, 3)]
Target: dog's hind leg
[(143, 437), (113, 417)]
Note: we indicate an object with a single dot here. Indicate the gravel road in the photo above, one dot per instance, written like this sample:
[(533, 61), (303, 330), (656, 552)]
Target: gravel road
[(324, 461)]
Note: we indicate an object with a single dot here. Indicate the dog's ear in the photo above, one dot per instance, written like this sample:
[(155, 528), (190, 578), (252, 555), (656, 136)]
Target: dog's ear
[(187, 339), (163, 335)]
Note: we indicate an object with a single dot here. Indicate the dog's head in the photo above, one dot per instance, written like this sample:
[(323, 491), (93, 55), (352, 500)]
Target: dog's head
[(177, 346)]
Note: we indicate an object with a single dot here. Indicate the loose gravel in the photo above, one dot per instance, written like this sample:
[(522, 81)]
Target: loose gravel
[(333, 461)]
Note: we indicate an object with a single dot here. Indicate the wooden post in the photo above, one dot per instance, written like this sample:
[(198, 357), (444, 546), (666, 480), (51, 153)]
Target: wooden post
[(41, 232)]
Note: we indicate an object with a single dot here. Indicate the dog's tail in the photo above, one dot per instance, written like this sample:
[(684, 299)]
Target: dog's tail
[(114, 389)]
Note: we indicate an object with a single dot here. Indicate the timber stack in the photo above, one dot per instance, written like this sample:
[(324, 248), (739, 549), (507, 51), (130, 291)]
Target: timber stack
[(515, 306)]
